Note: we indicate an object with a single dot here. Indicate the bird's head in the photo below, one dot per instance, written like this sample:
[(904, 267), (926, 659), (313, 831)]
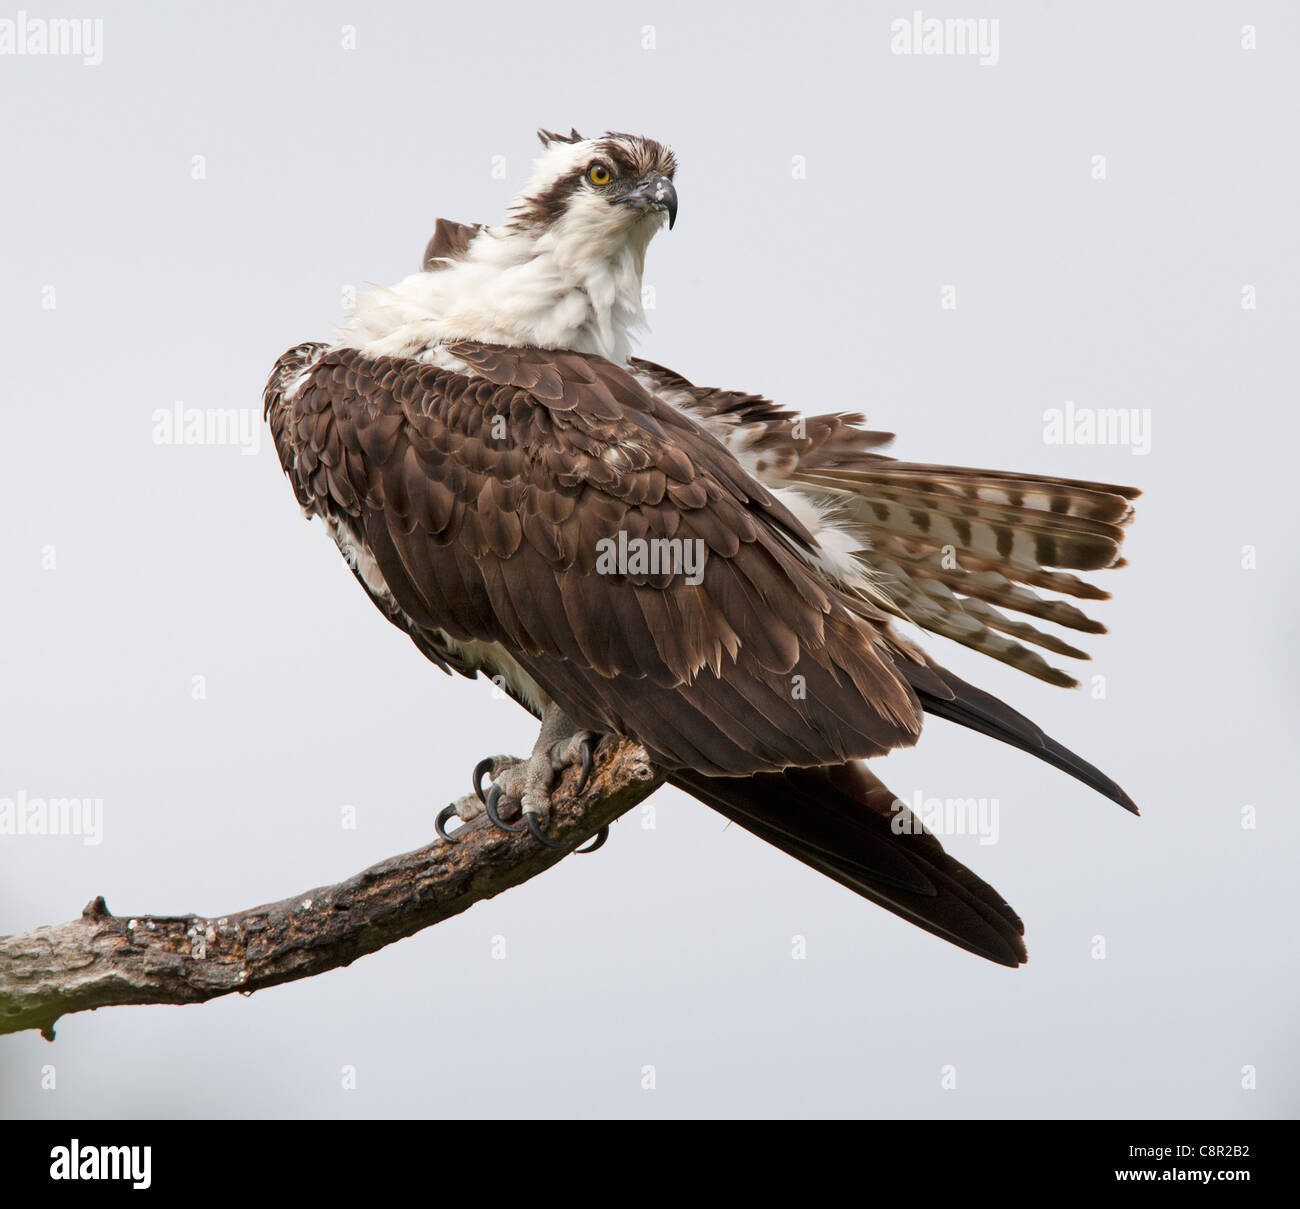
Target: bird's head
[(607, 192)]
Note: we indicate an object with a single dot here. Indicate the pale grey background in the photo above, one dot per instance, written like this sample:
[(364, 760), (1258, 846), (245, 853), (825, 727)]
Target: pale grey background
[(326, 167)]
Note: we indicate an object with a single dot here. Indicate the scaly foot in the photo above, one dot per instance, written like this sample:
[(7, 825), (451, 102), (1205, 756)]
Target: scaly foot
[(528, 782)]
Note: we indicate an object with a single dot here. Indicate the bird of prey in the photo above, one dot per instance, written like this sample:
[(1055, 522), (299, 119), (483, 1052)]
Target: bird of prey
[(523, 497)]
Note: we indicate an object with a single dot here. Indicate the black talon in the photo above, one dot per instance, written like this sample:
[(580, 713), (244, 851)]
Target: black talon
[(600, 837), (440, 826), (490, 805), (483, 766), (586, 767), (538, 834)]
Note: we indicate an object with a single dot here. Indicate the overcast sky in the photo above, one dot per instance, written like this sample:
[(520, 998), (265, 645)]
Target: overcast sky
[(1112, 206)]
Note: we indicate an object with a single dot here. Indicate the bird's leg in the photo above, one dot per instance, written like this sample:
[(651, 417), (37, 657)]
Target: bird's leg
[(528, 782)]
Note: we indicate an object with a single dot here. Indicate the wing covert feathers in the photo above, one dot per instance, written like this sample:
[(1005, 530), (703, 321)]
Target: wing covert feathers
[(484, 497)]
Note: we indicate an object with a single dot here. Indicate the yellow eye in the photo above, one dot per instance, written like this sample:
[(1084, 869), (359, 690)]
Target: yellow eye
[(598, 174)]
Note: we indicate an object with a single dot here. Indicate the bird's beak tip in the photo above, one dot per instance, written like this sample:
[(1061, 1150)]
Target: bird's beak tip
[(668, 199), (656, 191)]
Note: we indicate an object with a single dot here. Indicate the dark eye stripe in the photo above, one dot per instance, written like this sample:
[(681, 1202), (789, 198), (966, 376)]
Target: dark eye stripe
[(620, 157)]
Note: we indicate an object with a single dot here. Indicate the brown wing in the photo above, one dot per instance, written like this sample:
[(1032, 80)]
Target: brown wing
[(956, 549), (485, 498)]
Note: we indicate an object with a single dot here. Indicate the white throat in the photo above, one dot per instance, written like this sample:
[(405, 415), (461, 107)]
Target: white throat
[(576, 284)]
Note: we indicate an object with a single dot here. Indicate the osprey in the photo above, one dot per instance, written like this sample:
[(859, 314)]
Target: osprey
[(701, 570)]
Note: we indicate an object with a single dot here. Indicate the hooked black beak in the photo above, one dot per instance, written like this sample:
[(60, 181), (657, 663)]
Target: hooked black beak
[(655, 191)]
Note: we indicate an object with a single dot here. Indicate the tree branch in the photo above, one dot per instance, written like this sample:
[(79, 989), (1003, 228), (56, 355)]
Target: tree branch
[(102, 959)]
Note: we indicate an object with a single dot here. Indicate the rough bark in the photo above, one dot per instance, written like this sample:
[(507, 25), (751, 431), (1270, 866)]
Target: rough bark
[(103, 959)]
